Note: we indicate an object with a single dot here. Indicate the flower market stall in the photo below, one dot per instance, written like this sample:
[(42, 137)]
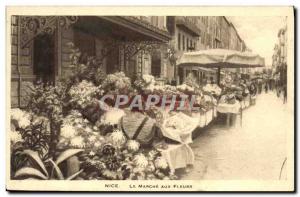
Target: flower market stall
[(222, 58), (69, 131), (110, 127)]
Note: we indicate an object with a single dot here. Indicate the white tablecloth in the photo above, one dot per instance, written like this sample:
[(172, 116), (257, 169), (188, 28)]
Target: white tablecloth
[(204, 118), (229, 108), (185, 135), (209, 116), (215, 112), (178, 156)]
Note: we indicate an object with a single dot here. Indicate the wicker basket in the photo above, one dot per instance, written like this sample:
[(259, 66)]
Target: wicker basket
[(139, 127)]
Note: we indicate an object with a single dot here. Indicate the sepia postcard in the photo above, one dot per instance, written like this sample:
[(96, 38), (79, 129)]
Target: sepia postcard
[(150, 99)]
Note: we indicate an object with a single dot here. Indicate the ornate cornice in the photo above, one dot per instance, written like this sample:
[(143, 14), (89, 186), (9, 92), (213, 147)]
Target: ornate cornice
[(31, 26)]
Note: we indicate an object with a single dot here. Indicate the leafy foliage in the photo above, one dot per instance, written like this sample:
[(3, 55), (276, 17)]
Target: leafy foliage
[(41, 171)]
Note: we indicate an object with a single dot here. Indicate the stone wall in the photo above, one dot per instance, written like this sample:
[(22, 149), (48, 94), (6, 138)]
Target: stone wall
[(21, 59)]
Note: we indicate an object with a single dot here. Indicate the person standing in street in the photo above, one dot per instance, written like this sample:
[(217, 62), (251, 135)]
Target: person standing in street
[(266, 87)]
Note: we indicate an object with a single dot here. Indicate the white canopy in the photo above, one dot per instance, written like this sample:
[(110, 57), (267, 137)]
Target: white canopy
[(221, 58)]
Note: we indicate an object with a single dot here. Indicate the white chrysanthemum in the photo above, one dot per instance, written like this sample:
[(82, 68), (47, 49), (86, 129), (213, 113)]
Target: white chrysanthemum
[(77, 120), (68, 131), (119, 80), (15, 137), (92, 153), (92, 139), (21, 117), (95, 128), (120, 84), (24, 122), (117, 138), (39, 119), (77, 142), (83, 92), (207, 98), (97, 144), (185, 87), (161, 163), (133, 145), (79, 126), (149, 79), (17, 114), (88, 130), (140, 160)]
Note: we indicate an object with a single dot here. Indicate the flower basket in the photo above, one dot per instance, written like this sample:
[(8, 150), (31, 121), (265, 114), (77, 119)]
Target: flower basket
[(138, 127)]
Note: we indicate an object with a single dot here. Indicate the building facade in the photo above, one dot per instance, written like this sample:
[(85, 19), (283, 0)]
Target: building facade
[(39, 48), (136, 45), (225, 32), (185, 35), (279, 58), (192, 33), (282, 45)]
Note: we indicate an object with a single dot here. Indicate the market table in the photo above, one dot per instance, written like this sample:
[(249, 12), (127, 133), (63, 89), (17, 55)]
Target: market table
[(205, 117), (178, 156), (230, 110)]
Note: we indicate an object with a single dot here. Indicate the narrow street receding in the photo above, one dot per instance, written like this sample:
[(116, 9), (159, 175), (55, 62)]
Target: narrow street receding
[(256, 150)]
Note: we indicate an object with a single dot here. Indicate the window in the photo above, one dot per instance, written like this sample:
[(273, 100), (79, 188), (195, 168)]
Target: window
[(179, 41), (187, 44), (156, 64), (203, 38), (183, 43), (44, 58)]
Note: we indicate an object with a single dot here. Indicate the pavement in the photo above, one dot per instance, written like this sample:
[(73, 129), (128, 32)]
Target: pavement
[(255, 150)]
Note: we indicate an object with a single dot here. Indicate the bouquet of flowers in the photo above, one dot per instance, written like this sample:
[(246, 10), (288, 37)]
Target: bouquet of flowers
[(117, 83), (48, 101), (77, 132), (185, 88), (83, 93), (20, 118), (212, 89), (119, 158)]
